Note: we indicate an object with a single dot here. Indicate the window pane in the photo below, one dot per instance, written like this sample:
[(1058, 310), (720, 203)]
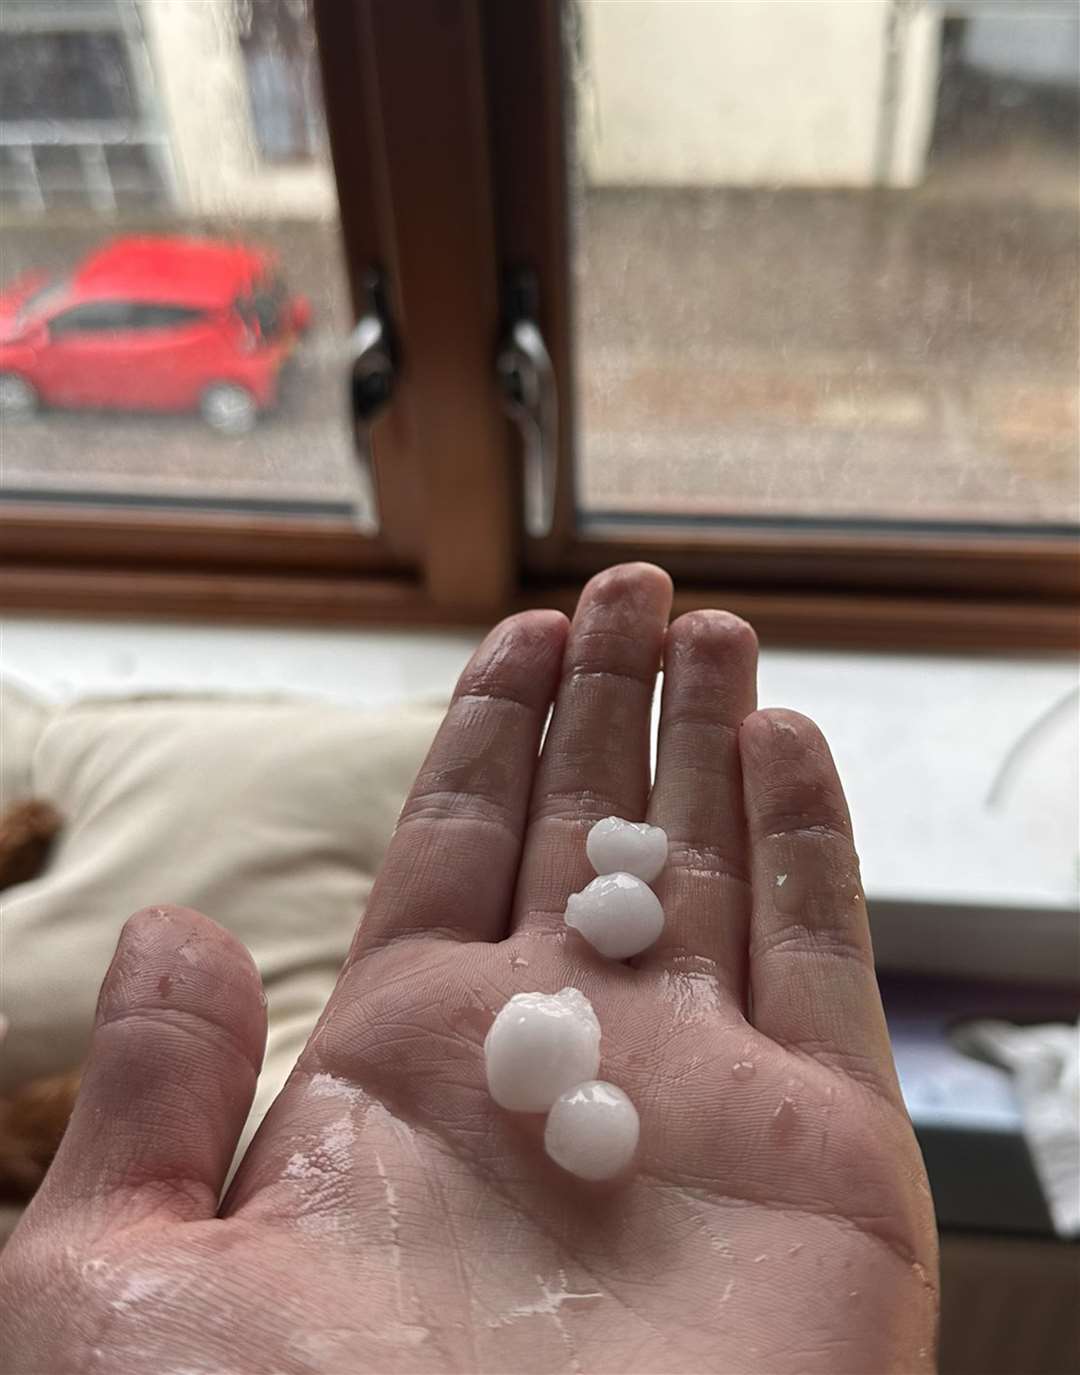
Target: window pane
[(174, 310), (826, 260)]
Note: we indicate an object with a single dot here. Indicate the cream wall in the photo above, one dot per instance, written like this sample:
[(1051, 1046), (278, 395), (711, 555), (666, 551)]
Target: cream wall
[(203, 105), (756, 92), (671, 92)]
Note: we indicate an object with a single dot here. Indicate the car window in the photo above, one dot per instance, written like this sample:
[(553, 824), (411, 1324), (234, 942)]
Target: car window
[(40, 299), (162, 317), (96, 317), (262, 310)]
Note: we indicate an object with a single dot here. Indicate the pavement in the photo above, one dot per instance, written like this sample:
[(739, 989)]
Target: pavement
[(858, 354), (908, 355)]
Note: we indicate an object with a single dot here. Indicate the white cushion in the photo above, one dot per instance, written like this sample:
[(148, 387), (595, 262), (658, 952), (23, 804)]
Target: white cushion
[(269, 816), (22, 719)]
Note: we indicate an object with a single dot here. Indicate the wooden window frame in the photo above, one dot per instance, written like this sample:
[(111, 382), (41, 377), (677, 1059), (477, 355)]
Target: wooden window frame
[(884, 587), (446, 127)]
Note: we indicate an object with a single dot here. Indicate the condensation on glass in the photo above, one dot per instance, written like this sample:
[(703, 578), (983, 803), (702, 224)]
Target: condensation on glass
[(826, 259), (174, 315)]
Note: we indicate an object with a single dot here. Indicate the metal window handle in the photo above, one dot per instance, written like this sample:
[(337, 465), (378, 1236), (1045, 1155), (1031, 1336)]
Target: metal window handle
[(373, 371), (527, 379)]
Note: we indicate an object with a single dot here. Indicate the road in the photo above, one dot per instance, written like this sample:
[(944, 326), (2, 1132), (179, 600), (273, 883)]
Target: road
[(893, 355)]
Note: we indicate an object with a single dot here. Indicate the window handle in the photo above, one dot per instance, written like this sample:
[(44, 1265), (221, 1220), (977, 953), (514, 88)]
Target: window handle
[(527, 380), (373, 354)]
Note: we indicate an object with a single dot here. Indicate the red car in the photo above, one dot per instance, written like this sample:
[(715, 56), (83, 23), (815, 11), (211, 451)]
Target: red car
[(152, 324)]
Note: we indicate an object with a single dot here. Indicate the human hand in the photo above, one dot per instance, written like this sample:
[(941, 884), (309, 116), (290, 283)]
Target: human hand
[(388, 1217)]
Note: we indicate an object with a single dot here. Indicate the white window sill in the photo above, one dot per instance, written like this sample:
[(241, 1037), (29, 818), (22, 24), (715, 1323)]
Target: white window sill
[(969, 840)]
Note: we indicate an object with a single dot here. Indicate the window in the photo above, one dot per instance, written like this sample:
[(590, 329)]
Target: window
[(282, 68), (162, 317), (204, 228), (78, 123), (814, 287), (61, 75), (780, 295), (812, 346), (38, 301), (266, 309), (102, 317)]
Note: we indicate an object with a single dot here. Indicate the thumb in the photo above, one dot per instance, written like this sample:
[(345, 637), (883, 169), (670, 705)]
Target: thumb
[(177, 1044)]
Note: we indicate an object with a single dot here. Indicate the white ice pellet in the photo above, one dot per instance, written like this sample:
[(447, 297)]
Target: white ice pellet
[(592, 1130), (618, 914), (630, 847), (539, 1045)]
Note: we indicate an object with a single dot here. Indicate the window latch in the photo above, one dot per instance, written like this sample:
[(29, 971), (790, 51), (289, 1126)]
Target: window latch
[(373, 354), (527, 381)]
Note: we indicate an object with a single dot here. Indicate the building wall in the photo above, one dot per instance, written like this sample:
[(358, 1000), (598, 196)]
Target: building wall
[(670, 92), (719, 93), (757, 92), (206, 110)]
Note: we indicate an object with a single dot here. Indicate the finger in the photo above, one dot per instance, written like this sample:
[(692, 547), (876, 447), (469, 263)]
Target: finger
[(710, 673), (595, 761), (451, 866), (177, 1044), (812, 983)]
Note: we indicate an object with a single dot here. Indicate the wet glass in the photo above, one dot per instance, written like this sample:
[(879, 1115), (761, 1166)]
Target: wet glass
[(173, 309), (826, 261)]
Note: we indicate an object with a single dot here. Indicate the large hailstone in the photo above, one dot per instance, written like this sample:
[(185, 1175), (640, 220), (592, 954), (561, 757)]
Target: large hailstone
[(592, 1130), (539, 1045), (629, 847), (618, 914)]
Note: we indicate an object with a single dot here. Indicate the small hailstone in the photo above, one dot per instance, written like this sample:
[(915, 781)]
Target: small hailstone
[(630, 847), (618, 914), (539, 1045), (592, 1130)]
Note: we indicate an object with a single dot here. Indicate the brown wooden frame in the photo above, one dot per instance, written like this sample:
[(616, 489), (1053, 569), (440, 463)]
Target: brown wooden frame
[(446, 126)]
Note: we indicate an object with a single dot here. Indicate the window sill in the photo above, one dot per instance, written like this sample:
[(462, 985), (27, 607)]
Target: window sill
[(960, 770)]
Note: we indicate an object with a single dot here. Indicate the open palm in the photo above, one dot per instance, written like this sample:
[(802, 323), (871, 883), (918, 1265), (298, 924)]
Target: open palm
[(388, 1217)]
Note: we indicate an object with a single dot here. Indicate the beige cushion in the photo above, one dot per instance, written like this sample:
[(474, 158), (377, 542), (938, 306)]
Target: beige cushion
[(269, 816), (22, 719)]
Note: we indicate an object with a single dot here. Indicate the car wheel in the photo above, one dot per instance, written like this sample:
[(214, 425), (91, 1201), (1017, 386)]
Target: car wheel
[(229, 409), (18, 399)]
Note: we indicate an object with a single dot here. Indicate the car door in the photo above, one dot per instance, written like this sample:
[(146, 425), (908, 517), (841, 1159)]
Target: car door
[(171, 350), (86, 359), (125, 355)]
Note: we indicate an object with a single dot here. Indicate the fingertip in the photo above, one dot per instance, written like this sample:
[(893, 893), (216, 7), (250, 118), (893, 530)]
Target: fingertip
[(172, 958), (780, 729), (527, 645), (168, 930), (170, 925), (532, 627), (643, 587), (538, 637), (537, 621), (541, 624), (711, 633), (790, 776)]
